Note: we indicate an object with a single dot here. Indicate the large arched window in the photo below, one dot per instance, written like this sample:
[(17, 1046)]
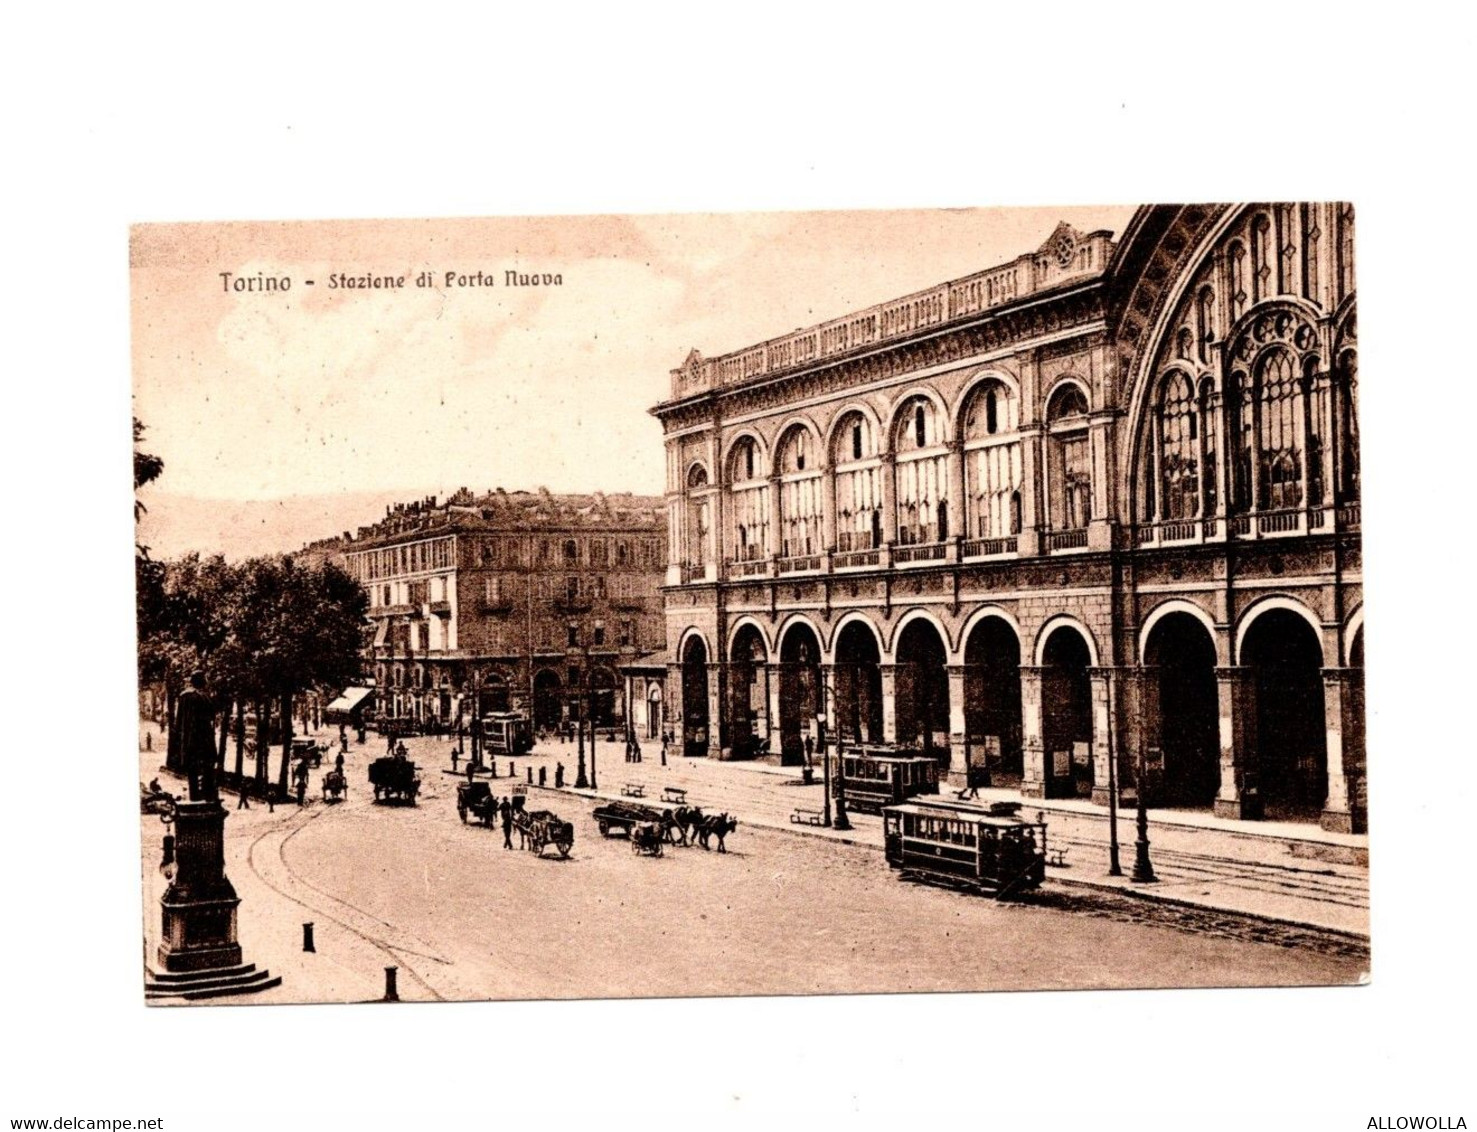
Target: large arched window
[(698, 515), (1279, 433), (1177, 447), (992, 462), (921, 473), (1069, 460), (749, 491), (800, 495), (1347, 378), (856, 472)]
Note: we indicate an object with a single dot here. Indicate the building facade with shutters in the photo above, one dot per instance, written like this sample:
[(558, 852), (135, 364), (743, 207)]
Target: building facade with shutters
[(1088, 517), (511, 601)]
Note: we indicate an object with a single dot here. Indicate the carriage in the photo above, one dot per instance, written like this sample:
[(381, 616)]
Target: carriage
[(478, 800), (308, 751), (873, 776), (394, 779), (335, 786), (541, 827), (992, 850)]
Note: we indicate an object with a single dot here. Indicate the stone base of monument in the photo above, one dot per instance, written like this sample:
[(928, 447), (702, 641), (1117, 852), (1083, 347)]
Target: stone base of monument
[(198, 955), (244, 978)]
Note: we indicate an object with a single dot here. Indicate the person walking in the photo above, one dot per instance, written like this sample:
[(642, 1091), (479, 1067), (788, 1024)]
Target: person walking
[(505, 811), (558, 776), (243, 802), (455, 755)]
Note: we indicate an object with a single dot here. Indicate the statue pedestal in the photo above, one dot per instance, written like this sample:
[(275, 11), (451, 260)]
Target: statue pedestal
[(198, 956)]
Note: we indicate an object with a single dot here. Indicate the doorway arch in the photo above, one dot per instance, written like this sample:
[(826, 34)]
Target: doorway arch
[(992, 699), (922, 689), (1183, 653), (1286, 659), (695, 698), (748, 692), (1066, 711), (800, 689)]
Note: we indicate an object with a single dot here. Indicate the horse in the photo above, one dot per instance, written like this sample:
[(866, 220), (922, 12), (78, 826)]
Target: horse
[(687, 818), (717, 826)]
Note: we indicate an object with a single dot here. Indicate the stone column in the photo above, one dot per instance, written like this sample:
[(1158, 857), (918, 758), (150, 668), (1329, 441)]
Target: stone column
[(1145, 742), (1346, 810), (958, 522), (775, 547), (959, 752), (889, 702), (717, 685), (772, 685), (1100, 524), (1033, 743), (1240, 793), (1028, 541), (1105, 745), (888, 484)]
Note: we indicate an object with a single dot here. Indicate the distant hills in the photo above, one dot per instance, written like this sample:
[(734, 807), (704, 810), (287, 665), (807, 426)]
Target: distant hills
[(178, 524)]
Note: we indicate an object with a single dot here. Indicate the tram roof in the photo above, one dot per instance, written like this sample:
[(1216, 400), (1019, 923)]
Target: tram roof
[(961, 811)]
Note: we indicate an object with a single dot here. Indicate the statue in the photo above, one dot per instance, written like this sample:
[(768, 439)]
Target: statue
[(194, 722)]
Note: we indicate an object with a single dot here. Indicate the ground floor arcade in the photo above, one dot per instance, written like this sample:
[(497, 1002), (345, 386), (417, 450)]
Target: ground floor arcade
[(1250, 711)]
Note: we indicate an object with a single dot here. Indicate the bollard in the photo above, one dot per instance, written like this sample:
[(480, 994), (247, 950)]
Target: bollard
[(512, 770), (543, 775), (492, 767), (391, 995), (308, 938), (530, 776), (148, 740)]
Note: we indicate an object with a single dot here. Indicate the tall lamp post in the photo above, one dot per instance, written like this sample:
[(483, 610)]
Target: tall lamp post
[(1143, 870), (840, 820), (581, 780), (589, 710)]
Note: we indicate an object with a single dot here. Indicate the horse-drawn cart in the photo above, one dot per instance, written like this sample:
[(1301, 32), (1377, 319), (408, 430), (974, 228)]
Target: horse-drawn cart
[(647, 838), (541, 827), (394, 779), (477, 800), (622, 816), (335, 786)]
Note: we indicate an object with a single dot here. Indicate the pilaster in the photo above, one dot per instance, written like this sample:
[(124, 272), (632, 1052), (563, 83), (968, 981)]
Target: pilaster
[(1346, 810), (1240, 793)]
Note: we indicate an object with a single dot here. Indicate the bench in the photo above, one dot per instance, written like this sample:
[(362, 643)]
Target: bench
[(802, 816), (675, 795), (1057, 855), (634, 790)]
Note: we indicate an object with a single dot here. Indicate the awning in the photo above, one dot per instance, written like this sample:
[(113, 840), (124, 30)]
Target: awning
[(350, 701)]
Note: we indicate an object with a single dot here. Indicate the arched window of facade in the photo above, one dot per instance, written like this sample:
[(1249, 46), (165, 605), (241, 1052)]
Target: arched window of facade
[(1176, 451), (571, 551), (856, 472), (800, 495), (1069, 460), (699, 515), (749, 495), (1348, 386), (992, 462), (1205, 407), (921, 473), (1279, 433)]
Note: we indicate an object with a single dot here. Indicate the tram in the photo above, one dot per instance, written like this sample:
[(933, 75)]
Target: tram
[(506, 733), (993, 850), (875, 777)]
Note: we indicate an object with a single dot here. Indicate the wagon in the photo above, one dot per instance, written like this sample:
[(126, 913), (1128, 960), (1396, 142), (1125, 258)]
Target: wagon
[(308, 751), (540, 828), (621, 816), (477, 800), (394, 780), (335, 786)]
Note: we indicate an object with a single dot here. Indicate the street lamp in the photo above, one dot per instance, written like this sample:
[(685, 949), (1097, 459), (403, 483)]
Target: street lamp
[(581, 780), (589, 710), (1143, 871), (840, 822)]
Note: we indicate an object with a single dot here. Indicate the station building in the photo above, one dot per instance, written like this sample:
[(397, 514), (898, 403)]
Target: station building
[(510, 601), (1089, 517)]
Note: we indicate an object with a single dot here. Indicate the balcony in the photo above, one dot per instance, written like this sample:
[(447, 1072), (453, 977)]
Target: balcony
[(989, 547), (1349, 515), (856, 559), (752, 568), (440, 608), (1066, 540), (920, 552), (495, 607), (801, 564)]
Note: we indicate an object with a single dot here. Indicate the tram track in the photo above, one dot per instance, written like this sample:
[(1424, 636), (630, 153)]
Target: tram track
[(369, 929)]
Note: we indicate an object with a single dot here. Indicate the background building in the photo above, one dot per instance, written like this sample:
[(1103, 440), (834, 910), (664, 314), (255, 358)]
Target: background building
[(525, 600), (1096, 507)]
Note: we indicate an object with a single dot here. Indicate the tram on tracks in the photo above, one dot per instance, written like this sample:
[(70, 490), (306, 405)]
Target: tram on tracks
[(876, 776), (507, 733), (992, 850)]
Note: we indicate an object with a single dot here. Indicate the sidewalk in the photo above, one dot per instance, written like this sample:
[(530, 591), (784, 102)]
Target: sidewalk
[(1289, 872)]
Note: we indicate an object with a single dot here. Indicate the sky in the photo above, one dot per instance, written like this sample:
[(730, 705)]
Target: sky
[(259, 395)]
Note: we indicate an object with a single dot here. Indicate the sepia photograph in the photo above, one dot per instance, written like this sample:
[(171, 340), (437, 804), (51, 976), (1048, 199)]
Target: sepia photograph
[(898, 601)]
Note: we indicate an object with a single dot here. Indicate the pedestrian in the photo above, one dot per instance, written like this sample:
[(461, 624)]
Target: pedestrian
[(542, 774), (243, 802), (558, 776), (389, 743), (635, 749), (505, 811), (300, 777), (809, 751), (471, 771), (455, 755)]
